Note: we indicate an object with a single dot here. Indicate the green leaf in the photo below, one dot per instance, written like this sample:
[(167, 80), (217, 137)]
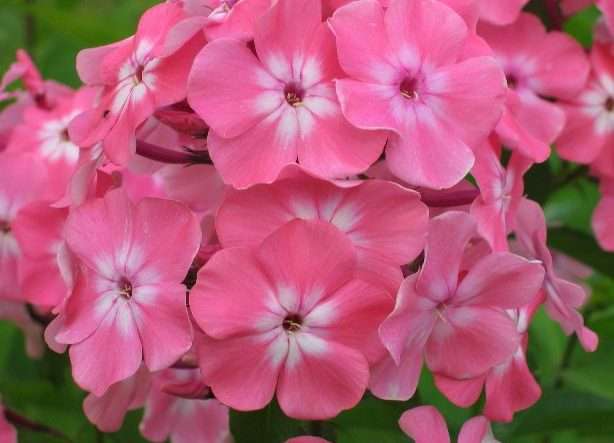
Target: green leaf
[(581, 25), (583, 247), (572, 206), (546, 347), (566, 410), (268, 425)]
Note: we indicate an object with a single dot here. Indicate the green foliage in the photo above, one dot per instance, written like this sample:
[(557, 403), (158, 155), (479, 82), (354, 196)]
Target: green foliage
[(578, 401)]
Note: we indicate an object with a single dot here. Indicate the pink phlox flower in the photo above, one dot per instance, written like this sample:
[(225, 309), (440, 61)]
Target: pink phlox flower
[(270, 106), (563, 298), (501, 189), (409, 75), (295, 321), (537, 64), (453, 319), (180, 419), (128, 303)]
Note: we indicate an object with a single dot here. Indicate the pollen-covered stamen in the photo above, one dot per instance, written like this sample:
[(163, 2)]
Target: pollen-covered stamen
[(292, 323), (408, 88), (294, 95), (125, 288), (5, 227)]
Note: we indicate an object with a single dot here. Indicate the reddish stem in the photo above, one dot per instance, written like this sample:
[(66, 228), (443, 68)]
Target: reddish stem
[(451, 199), (555, 14), (24, 422), (164, 155)]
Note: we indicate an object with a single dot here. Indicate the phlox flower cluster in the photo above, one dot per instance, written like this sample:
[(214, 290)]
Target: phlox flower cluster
[(251, 201)]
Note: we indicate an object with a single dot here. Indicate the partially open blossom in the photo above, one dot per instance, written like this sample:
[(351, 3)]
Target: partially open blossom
[(510, 386), (407, 76), (563, 298), (455, 322), (129, 295), (385, 222), (294, 321), (107, 412), (183, 420), (537, 64), (286, 99), (500, 192), (425, 424)]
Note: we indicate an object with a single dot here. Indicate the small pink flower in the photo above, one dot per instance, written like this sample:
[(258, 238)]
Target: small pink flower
[(588, 136), (425, 424), (137, 75), (563, 298), (269, 107), (510, 386), (44, 133), (38, 229), (22, 180), (537, 64), (456, 322), (408, 76), (107, 412), (289, 316), (183, 420), (128, 303), (385, 222), (500, 192)]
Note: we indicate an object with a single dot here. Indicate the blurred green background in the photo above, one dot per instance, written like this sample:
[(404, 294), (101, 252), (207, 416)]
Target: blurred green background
[(578, 401)]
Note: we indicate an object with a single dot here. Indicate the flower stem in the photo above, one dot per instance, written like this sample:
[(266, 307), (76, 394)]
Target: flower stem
[(164, 155), (24, 422)]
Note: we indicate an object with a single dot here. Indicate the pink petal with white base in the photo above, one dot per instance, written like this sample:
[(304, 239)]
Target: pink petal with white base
[(118, 334), (162, 320), (468, 341), (500, 279), (320, 378), (230, 365), (367, 15), (447, 239), (227, 78), (510, 388), (412, 24)]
